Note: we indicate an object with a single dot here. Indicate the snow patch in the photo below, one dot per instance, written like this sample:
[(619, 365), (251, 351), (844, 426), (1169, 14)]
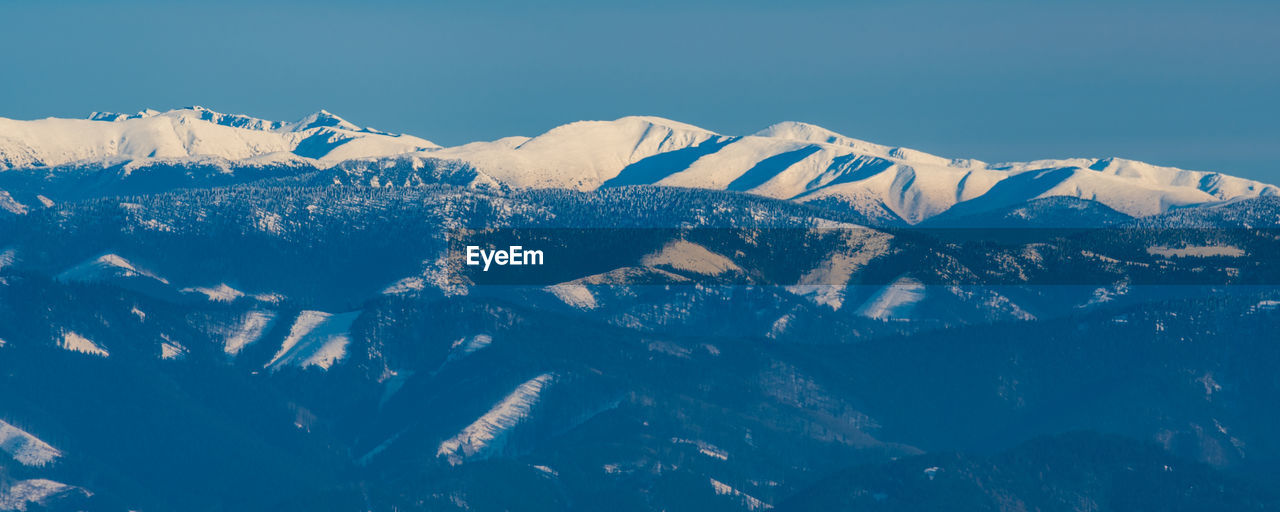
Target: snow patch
[(220, 293), (574, 294), (7, 257), (170, 350), (690, 257), (251, 328), (76, 343), (316, 339), (753, 504), (11, 205), (33, 492), (25, 448), (488, 433), (1196, 251), (894, 302), (405, 286)]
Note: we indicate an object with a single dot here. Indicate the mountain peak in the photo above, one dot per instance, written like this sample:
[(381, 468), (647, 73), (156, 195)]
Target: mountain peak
[(324, 119)]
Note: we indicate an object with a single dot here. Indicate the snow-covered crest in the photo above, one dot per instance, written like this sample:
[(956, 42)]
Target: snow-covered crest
[(189, 133), (789, 160)]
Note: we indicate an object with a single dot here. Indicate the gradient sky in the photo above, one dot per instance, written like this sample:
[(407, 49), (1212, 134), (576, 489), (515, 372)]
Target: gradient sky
[(1191, 84)]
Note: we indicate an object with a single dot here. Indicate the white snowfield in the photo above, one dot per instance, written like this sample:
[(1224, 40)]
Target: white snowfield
[(25, 448), (488, 433), (790, 160)]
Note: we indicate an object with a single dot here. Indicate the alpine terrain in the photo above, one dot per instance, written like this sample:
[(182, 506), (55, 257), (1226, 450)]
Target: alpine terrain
[(204, 311)]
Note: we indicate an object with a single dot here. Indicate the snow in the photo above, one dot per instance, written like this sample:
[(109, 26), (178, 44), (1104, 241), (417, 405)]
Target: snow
[(895, 301), (469, 345), (25, 448), (691, 257), (704, 448), (488, 433), (252, 326), (7, 257), (807, 163), (170, 350), (104, 267), (753, 504), (315, 339), (220, 293), (574, 294), (1196, 251), (826, 284), (77, 343), (546, 470), (1266, 305), (187, 133), (27, 492), (11, 205), (405, 286), (581, 155)]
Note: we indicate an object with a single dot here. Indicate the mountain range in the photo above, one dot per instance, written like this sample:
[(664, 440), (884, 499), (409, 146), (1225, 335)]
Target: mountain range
[(209, 312), (791, 161)]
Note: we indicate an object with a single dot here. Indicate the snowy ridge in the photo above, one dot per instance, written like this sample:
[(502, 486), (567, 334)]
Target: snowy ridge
[(316, 339), (190, 132), (581, 155), (789, 160), (488, 433), (25, 448)]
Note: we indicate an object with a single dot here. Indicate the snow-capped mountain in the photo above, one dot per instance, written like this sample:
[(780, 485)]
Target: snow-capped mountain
[(807, 163), (790, 160), (188, 133)]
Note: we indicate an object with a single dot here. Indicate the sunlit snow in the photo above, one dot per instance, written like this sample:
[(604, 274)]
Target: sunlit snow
[(25, 448), (488, 433), (315, 339)]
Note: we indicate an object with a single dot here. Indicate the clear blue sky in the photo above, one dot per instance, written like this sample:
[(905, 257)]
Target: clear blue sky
[(1194, 84)]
